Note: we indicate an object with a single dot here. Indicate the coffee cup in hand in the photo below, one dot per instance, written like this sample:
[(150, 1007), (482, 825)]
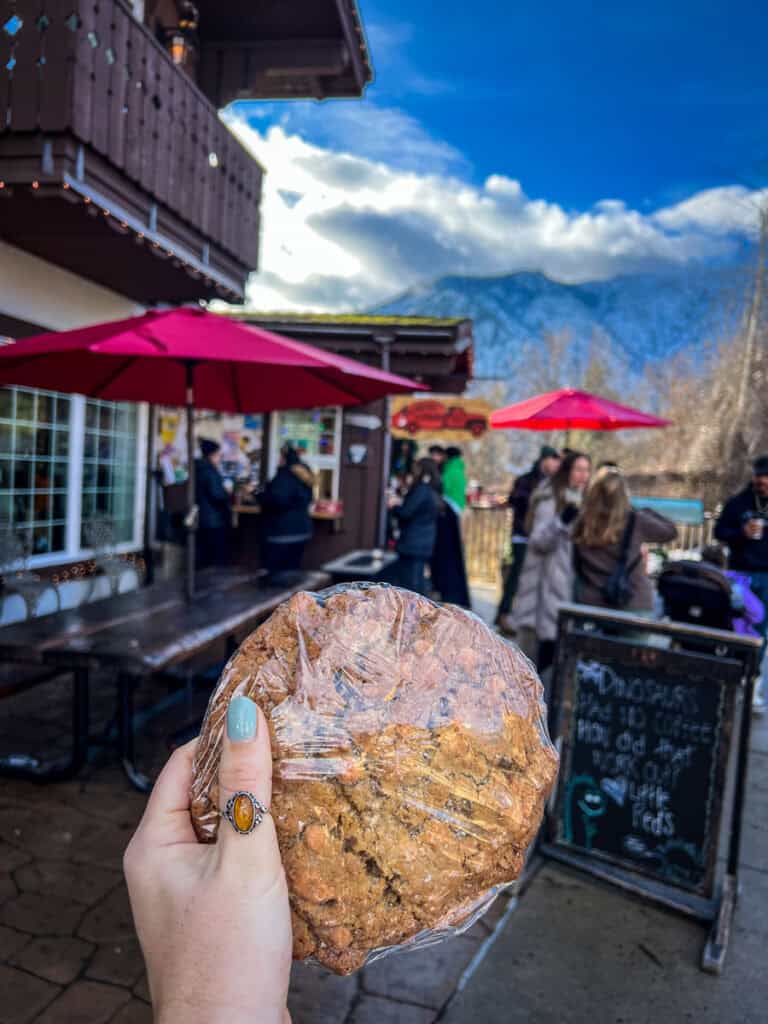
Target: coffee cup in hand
[(753, 528)]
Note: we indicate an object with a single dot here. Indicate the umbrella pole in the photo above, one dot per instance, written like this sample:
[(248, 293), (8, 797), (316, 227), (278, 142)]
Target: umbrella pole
[(191, 521), (149, 504)]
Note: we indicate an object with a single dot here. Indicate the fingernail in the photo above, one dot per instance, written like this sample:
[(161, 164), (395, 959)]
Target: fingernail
[(241, 719)]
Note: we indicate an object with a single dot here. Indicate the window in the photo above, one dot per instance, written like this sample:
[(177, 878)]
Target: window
[(65, 459), (316, 434), (109, 466), (34, 466)]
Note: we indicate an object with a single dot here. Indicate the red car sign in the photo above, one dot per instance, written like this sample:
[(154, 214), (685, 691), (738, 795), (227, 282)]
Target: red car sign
[(430, 415)]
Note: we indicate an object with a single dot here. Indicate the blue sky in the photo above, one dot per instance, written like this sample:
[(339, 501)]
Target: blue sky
[(582, 140), (646, 102)]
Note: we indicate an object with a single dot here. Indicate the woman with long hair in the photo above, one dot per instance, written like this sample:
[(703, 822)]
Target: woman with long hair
[(547, 577), (417, 517), (607, 528)]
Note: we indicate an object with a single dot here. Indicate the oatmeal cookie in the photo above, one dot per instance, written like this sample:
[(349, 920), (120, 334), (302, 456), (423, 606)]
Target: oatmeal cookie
[(411, 763)]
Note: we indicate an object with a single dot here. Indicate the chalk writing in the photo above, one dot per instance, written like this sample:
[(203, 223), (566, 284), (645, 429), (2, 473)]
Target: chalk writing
[(640, 769)]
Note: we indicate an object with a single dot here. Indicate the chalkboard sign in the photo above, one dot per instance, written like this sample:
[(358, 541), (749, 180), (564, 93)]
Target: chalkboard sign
[(646, 732), (642, 771)]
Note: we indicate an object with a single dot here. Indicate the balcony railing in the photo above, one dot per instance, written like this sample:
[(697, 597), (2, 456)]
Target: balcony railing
[(93, 109)]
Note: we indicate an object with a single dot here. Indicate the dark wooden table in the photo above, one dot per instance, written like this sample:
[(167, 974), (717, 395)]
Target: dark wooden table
[(137, 635)]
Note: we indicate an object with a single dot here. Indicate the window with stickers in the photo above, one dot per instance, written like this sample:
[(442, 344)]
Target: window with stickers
[(316, 435)]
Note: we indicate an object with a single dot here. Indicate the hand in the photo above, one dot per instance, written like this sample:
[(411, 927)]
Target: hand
[(753, 529), (213, 919)]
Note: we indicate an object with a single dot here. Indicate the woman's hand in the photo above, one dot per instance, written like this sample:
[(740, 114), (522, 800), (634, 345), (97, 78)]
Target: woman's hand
[(213, 919)]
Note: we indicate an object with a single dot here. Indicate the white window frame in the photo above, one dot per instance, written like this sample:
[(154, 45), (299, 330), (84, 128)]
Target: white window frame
[(74, 552), (315, 462)]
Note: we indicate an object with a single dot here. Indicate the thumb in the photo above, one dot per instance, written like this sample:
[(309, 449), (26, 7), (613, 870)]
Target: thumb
[(246, 768)]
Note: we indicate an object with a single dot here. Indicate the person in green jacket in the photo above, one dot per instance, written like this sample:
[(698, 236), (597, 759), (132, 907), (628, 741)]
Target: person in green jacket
[(449, 574), (455, 478)]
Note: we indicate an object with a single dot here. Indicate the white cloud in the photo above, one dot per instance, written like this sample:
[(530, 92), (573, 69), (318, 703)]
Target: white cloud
[(361, 127), (345, 230), (719, 211)]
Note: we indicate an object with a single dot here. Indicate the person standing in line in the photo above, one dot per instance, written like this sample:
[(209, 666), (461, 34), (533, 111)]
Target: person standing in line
[(454, 476), (546, 581), (607, 524), (447, 567), (417, 516), (743, 526), (545, 466), (436, 452), (214, 508), (287, 525)]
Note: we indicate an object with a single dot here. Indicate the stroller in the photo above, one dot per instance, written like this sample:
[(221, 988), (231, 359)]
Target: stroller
[(698, 593)]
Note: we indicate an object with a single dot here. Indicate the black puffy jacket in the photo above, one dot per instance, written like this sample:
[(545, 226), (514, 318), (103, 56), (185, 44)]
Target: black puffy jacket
[(211, 497), (746, 555), (285, 504), (418, 521)]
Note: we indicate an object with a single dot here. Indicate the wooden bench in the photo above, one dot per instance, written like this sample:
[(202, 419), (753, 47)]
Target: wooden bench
[(137, 635)]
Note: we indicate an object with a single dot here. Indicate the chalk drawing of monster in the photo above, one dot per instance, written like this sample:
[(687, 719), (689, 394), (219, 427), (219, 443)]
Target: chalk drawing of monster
[(584, 805)]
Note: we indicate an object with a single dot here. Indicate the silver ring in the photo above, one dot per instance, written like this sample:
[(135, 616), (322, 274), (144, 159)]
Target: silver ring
[(244, 812)]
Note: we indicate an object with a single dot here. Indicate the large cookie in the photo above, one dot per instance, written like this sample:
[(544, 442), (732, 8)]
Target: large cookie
[(411, 763)]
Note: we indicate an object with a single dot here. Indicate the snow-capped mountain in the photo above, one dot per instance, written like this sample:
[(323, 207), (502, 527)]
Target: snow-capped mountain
[(631, 320)]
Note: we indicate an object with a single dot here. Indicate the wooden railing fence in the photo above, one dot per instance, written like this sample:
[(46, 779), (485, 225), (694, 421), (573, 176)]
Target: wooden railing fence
[(488, 534)]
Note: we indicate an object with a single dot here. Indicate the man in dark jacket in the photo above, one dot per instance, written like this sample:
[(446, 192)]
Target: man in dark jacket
[(287, 524), (743, 526), (213, 502), (543, 468)]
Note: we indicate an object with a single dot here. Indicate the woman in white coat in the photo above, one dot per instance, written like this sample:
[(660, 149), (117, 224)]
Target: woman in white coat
[(547, 579)]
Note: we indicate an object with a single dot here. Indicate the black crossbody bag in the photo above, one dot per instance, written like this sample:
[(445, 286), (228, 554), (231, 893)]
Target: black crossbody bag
[(617, 589)]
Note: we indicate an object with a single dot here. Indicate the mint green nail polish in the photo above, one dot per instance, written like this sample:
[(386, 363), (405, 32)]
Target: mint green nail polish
[(241, 719)]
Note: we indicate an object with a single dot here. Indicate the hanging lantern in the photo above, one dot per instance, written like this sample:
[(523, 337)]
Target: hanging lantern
[(181, 39)]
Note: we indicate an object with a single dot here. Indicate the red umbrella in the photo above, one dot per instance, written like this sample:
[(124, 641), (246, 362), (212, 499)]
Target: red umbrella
[(191, 357), (236, 367), (569, 409)]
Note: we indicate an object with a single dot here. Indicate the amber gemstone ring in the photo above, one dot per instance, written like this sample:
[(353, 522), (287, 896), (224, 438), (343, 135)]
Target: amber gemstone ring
[(244, 812)]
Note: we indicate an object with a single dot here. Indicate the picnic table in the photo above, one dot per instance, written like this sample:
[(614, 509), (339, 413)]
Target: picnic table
[(136, 635)]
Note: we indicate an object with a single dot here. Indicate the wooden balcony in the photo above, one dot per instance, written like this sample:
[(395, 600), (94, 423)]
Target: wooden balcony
[(281, 49), (113, 164)]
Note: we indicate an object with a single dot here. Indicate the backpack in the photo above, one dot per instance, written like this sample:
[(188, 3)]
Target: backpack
[(617, 590)]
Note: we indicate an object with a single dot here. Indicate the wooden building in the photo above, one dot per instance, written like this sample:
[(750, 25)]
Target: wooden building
[(120, 188), (352, 455)]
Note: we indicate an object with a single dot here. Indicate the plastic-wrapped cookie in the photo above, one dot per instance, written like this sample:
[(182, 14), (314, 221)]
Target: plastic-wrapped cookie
[(411, 764)]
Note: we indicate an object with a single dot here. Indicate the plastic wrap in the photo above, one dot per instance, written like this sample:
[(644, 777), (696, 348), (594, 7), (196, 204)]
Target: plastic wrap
[(411, 765)]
